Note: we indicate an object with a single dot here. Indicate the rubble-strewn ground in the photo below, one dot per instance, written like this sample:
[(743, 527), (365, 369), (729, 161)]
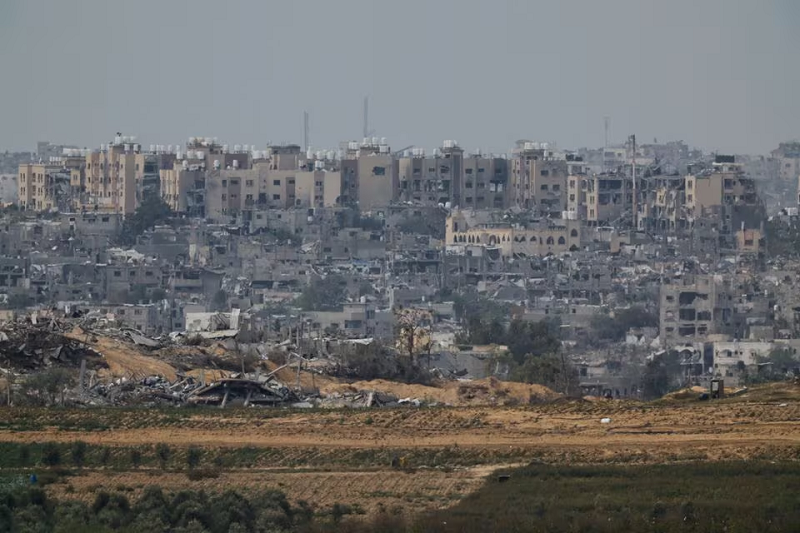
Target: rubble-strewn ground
[(439, 454)]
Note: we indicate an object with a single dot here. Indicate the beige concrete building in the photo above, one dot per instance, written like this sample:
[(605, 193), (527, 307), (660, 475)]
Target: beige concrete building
[(318, 188), (184, 190), (538, 180), (788, 156), (724, 185), (529, 238), (110, 178), (377, 175), (34, 186), (47, 186), (608, 198), (473, 181), (694, 306)]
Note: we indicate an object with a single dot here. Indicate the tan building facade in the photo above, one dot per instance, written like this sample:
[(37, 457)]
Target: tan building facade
[(537, 238)]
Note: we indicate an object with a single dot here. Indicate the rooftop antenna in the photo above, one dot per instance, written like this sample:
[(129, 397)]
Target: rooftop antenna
[(367, 132), (305, 130), (606, 126), (366, 116), (635, 193)]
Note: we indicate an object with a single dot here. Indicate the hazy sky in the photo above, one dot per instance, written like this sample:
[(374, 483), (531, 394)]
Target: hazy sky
[(719, 74)]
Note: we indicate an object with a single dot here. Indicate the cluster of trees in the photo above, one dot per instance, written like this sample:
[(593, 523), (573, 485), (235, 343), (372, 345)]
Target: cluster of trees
[(377, 361), (432, 224), (778, 365), (48, 387), (534, 348), (30, 510), (613, 328), (153, 210)]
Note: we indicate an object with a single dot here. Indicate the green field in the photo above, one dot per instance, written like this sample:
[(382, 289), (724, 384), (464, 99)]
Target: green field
[(730, 497)]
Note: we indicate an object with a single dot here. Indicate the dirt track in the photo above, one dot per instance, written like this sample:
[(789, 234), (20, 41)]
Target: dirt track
[(654, 428)]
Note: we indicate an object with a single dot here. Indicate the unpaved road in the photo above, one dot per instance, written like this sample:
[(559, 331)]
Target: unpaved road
[(657, 429)]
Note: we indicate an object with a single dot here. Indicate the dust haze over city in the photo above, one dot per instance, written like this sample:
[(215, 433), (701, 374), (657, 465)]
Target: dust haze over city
[(399, 266), (716, 74)]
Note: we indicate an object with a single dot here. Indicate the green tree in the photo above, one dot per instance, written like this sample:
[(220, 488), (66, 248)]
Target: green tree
[(551, 370), (608, 328), (219, 302), (51, 455), (49, 385), (151, 211), (163, 453), (777, 365), (78, 453), (525, 339), (323, 294), (136, 458), (661, 375), (193, 456)]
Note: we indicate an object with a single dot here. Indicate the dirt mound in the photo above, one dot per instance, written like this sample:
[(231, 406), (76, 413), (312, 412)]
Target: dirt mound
[(489, 391), (691, 393), (124, 359)]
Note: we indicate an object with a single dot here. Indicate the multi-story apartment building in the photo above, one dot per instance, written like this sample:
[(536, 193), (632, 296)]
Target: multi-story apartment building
[(788, 156), (663, 204), (35, 185), (694, 306), (371, 171), (723, 185), (608, 198), (473, 181), (183, 178), (184, 190), (538, 180), (110, 177)]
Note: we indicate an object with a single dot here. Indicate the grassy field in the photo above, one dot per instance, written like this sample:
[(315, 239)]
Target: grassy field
[(731, 497)]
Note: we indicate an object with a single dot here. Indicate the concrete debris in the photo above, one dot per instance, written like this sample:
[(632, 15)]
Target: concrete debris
[(243, 391)]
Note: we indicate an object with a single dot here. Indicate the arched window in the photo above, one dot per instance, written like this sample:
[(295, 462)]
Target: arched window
[(550, 240), (573, 233), (562, 240)]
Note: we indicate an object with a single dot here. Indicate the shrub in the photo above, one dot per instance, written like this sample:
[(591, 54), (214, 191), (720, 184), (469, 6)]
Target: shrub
[(193, 456), (51, 455), (163, 453), (78, 453), (136, 458)]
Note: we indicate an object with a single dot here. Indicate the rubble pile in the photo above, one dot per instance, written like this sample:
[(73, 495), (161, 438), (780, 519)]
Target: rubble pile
[(150, 390), (30, 344), (245, 390)]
